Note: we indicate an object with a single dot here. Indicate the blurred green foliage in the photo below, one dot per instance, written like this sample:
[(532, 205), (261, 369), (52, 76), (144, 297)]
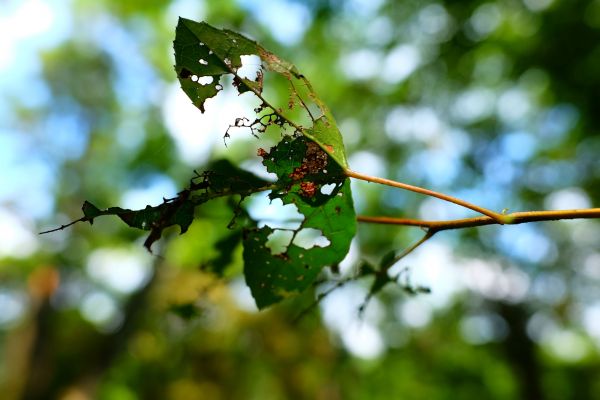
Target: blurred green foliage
[(492, 101)]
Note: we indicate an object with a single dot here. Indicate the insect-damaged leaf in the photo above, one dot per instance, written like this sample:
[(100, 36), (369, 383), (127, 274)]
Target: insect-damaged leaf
[(154, 219), (325, 132), (316, 185), (222, 179), (225, 248), (203, 54)]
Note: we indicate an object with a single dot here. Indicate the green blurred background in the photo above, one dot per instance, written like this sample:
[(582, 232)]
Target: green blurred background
[(496, 102)]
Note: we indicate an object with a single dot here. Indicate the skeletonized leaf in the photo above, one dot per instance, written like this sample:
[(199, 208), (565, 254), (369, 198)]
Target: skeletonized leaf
[(204, 54)]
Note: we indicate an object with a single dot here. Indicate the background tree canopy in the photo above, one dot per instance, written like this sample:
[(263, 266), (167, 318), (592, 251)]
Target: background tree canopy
[(495, 102)]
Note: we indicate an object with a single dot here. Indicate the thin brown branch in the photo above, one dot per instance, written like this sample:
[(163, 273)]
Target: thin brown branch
[(276, 110), (509, 219), (428, 235), (497, 217), (60, 228), (320, 298)]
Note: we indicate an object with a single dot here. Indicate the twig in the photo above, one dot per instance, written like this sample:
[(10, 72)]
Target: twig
[(60, 228), (428, 235), (320, 298), (497, 217), (509, 219)]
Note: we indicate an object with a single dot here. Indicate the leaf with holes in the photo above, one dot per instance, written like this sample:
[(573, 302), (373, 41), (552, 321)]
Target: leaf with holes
[(222, 179), (313, 182), (204, 54), (325, 132), (179, 211)]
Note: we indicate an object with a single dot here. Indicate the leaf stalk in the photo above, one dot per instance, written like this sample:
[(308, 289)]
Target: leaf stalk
[(496, 217)]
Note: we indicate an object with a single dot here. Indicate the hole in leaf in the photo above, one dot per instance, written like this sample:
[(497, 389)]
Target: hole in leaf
[(251, 67), (195, 78), (315, 110), (328, 189), (308, 238), (205, 80), (279, 240), (273, 212), (219, 87), (203, 61)]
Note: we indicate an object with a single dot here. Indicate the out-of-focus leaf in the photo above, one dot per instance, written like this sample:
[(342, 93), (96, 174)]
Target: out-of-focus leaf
[(225, 248), (186, 311)]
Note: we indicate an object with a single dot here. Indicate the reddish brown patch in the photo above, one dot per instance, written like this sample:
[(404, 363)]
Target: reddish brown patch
[(308, 189), (329, 148), (314, 162), (261, 152), (298, 174)]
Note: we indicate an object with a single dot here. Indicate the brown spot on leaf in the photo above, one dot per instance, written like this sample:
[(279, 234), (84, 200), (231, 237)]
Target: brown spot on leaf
[(315, 160), (308, 189)]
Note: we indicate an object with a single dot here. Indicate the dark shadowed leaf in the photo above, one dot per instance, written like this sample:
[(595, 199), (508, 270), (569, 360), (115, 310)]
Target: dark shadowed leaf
[(222, 179)]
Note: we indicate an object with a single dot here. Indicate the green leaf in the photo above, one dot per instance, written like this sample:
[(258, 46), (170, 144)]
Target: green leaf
[(223, 179), (203, 54), (154, 219), (90, 211), (225, 248), (326, 133), (304, 171), (224, 176)]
